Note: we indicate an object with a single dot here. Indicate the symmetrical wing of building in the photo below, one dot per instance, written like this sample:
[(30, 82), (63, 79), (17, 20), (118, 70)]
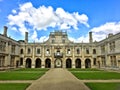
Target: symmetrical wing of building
[(59, 52)]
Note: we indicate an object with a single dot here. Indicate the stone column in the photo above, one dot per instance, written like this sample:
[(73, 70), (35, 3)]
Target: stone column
[(33, 56), (43, 59), (73, 56), (83, 58), (52, 56), (64, 54)]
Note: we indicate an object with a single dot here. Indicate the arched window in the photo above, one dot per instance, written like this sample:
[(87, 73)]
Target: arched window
[(48, 51), (53, 41), (78, 51), (94, 51), (38, 50), (87, 51), (29, 51), (21, 51), (68, 51)]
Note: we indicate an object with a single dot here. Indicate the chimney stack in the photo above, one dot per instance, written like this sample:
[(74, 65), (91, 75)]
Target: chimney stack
[(90, 37), (5, 31), (110, 34), (26, 37)]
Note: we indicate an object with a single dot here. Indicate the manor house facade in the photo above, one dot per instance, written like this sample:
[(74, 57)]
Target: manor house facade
[(59, 52)]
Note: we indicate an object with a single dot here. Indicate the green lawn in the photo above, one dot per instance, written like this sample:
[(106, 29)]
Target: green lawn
[(22, 74), (97, 75), (94, 74), (13, 86), (88, 69), (32, 69), (103, 86)]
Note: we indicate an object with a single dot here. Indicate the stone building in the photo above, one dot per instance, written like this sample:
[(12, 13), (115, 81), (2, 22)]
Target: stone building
[(59, 52)]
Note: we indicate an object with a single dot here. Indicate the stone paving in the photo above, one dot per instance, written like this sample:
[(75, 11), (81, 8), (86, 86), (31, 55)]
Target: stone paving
[(58, 79)]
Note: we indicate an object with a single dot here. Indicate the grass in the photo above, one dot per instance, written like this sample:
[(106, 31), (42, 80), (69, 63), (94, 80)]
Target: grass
[(22, 74), (94, 74), (19, 76), (32, 69), (88, 69), (97, 75), (103, 86), (13, 86)]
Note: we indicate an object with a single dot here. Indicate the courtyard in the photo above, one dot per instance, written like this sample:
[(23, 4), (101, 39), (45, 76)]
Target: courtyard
[(62, 79)]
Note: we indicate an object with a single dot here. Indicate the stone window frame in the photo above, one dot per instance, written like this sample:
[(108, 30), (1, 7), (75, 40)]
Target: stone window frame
[(78, 50), (29, 51), (68, 51), (94, 51), (21, 51), (38, 51), (87, 51), (47, 51)]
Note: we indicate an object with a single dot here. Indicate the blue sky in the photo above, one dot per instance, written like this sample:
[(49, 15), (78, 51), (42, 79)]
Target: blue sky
[(76, 17)]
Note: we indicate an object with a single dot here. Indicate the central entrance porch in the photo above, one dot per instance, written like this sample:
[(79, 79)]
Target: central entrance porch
[(58, 63)]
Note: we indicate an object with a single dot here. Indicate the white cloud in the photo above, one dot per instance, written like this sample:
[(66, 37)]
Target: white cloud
[(102, 31), (82, 18), (80, 39), (35, 38), (14, 28), (43, 39), (99, 33), (14, 11), (30, 18)]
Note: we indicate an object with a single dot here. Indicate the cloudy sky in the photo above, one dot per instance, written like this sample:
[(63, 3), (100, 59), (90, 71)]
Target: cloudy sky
[(76, 17)]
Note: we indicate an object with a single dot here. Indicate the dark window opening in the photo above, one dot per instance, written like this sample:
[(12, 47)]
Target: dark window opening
[(38, 51), (94, 51), (78, 51), (21, 51)]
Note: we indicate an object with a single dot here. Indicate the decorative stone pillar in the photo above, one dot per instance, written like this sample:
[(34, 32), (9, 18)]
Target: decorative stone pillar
[(33, 56), (83, 58), (52, 57), (43, 59), (73, 58), (64, 59)]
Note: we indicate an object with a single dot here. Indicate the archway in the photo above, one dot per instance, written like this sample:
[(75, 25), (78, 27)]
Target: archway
[(38, 63), (87, 63), (58, 63), (78, 63), (68, 63), (28, 63), (48, 63)]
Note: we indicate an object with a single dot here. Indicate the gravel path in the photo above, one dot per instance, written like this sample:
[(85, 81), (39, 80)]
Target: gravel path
[(58, 79), (100, 80), (17, 81)]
